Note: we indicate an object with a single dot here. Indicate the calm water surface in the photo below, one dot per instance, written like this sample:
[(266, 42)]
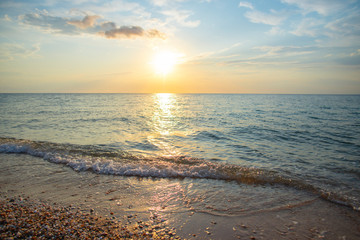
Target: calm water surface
[(273, 145)]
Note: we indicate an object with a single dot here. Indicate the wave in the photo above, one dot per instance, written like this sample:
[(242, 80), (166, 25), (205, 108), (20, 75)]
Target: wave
[(101, 159)]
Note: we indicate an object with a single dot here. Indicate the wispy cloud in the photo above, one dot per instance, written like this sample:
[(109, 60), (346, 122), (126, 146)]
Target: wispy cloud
[(265, 18), (159, 2), (356, 53), (330, 22), (246, 5), (323, 7), (282, 51), (280, 55), (9, 51), (273, 18), (162, 3), (351, 59), (114, 6), (215, 55), (276, 30), (340, 29), (181, 17), (308, 27), (7, 18), (348, 25)]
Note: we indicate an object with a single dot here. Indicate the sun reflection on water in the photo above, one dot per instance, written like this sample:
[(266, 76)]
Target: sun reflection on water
[(167, 196), (164, 122), (163, 116)]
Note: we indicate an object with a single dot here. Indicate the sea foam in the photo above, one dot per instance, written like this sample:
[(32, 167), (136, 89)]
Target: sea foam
[(102, 161)]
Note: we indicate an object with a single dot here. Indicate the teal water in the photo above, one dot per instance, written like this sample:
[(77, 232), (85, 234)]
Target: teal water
[(305, 143)]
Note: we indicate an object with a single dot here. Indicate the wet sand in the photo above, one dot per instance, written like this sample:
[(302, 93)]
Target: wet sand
[(123, 207)]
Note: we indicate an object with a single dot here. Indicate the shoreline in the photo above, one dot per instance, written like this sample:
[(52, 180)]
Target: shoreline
[(28, 182)]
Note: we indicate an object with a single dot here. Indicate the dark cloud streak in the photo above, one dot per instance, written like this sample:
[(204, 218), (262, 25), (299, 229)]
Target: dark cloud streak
[(124, 31), (132, 32), (87, 25)]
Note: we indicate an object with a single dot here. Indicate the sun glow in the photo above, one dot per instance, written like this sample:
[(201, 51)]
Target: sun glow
[(165, 61)]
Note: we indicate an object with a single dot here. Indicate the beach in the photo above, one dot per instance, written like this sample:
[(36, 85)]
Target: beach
[(105, 206), (156, 120), (189, 166)]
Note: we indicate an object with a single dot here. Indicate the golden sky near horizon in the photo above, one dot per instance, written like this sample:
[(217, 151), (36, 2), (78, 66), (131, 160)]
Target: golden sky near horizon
[(180, 46)]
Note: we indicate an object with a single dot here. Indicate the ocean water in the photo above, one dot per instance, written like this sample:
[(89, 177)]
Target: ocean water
[(259, 152)]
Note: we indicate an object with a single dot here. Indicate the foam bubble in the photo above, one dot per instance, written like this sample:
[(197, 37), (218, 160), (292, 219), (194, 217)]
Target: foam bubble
[(100, 161)]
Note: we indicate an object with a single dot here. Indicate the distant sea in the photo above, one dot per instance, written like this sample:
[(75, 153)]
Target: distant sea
[(260, 151)]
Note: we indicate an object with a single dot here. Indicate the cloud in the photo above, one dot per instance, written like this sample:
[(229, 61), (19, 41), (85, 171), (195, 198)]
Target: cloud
[(7, 18), (246, 5), (133, 11), (283, 51), (309, 27), (265, 18), (87, 25), (161, 3), (53, 24), (341, 30), (181, 16), (88, 21), (346, 26), (275, 30), (323, 7), (9, 51), (357, 53), (261, 55), (124, 31), (115, 6), (352, 59), (108, 25), (271, 55), (131, 32), (154, 33)]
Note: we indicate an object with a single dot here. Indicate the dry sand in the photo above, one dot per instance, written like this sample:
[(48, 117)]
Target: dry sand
[(22, 218)]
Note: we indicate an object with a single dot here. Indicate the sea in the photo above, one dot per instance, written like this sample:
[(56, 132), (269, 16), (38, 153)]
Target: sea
[(231, 153)]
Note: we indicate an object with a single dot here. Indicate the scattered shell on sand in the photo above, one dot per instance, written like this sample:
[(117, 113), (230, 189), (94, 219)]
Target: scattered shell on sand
[(23, 219)]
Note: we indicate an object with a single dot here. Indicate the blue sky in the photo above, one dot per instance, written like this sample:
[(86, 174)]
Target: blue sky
[(277, 46)]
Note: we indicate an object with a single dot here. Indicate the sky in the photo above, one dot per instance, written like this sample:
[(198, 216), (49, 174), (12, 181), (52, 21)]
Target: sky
[(215, 46)]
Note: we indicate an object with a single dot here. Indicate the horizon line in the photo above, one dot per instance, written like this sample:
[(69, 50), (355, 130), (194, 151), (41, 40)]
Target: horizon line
[(229, 93)]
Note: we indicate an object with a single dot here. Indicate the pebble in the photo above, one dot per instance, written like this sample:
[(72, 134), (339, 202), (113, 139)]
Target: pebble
[(23, 219)]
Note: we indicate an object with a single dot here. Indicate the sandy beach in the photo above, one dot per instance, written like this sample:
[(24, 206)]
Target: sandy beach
[(49, 200), (179, 119)]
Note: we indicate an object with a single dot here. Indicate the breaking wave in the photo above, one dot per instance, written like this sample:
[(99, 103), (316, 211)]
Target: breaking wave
[(102, 160)]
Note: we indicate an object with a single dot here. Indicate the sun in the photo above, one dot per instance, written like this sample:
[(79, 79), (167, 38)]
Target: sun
[(165, 61)]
